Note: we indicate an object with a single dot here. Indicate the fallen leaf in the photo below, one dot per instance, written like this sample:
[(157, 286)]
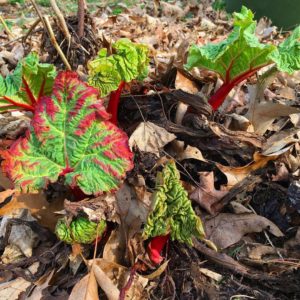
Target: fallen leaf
[(151, 138), (181, 153), (41, 285), (112, 277), (205, 194), (261, 250), (12, 289), (184, 83), (227, 229), (263, 113), (21, 235), (85, 289), (281, 141), (37, 204), (236, 174)]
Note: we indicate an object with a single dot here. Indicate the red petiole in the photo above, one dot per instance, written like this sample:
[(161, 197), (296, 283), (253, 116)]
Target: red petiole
[(220, 95), (114, 101), (155, 247)]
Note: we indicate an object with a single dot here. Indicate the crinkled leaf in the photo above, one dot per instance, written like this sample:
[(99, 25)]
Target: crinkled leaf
[(172, 212), (130, 61), (80, 230), (27, 84), (240, 53), (70, 135), (287, 56)]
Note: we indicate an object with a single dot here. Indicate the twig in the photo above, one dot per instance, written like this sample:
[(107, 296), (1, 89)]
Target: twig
[(54, 42), (36, 22), (7, 30), (81, 15), (48, 28), (62, 22)]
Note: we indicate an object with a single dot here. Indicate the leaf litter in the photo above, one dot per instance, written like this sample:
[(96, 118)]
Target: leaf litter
[(239, 165)]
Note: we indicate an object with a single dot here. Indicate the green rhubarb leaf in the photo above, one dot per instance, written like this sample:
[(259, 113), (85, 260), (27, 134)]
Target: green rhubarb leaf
[(31, 80), (172, 213), (240, 54), (129, 61), (80, 230), (70, 136), (287, 56)]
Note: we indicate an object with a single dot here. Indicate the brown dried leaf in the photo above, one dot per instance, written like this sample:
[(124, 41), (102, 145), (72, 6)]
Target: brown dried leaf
[(206, 195), (236, 174), (37, 204), (227, 229)]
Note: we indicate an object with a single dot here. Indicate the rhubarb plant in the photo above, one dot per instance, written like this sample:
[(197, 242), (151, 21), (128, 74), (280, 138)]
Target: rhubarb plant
[(70, 136), (172, 215), (241, 55), (109, 73), (24, 88)]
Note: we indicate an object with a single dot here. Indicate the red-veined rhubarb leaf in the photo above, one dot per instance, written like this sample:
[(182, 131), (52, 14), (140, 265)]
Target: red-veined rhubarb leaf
[(70, 135), (22, 89), (234, 59), (172, 213), (129, 61)]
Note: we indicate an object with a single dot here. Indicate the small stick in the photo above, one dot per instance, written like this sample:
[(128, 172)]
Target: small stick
[(54, 42), (7, 30), (81, 14), (62, 21)]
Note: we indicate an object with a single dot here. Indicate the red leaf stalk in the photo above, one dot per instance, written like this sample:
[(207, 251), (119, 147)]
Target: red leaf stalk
[(155, 247), (220, 95), (113, 104)]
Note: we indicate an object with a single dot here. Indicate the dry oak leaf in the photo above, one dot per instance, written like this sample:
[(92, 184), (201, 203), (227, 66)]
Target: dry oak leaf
[(227, 229), (236, 174), (205, 194), (149, 137)]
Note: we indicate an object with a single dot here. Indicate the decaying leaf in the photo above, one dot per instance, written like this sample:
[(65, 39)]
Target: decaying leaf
[(112, 277), (227, 229), (41, 209), (281, 141), (236, 174), (149, 137), (262, 113), (205, 194), (189, 152), (85, 289), (21, 235)]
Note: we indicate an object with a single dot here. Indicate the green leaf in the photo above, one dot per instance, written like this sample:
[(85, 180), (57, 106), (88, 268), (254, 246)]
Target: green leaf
[(129, 61), (287, 56), (27, 84), (239, 54), (173, 213), (70, 136), (80, 230)]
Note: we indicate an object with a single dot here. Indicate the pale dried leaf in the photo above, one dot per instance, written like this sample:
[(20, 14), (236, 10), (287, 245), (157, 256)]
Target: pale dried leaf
[(263, 113), (281, 141), (227, 229), (85, 289), (151, 138)]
